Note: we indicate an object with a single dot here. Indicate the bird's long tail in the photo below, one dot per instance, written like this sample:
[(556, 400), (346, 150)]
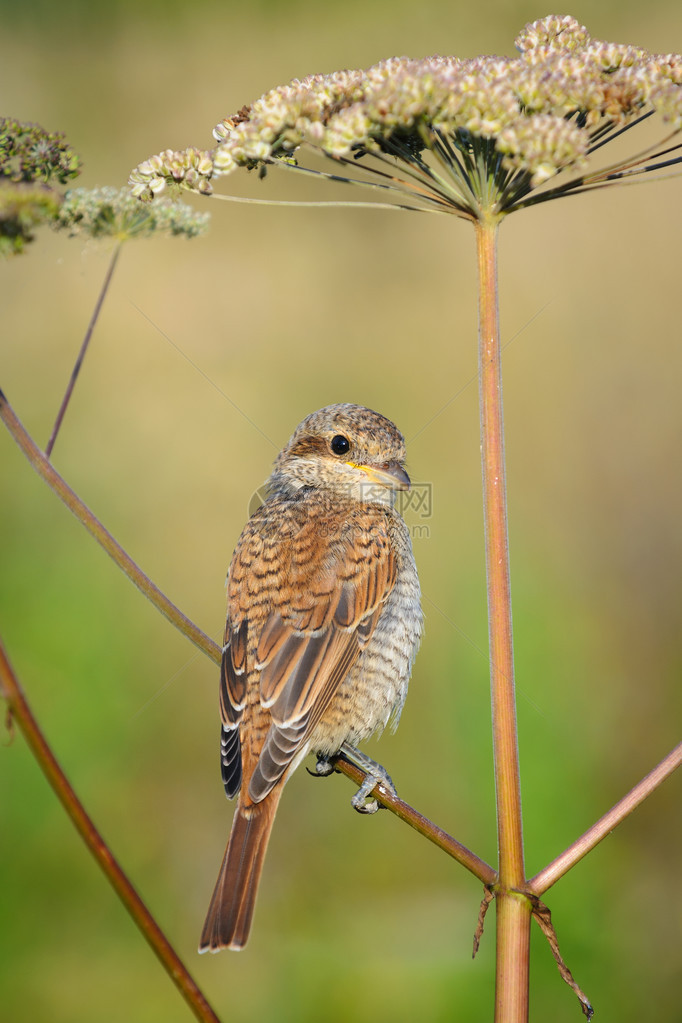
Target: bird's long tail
[(228, 921)]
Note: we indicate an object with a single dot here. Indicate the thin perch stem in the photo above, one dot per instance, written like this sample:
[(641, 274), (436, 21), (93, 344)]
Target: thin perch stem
[(478, 867), (513, 910), (43, 467), (605, 825), (83, 349), (175, 968)]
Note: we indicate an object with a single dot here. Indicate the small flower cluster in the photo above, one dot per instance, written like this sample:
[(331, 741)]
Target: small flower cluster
[(499, 126), (29, 153), (115, 213), (32, 160), (23, 208), (190, 169)]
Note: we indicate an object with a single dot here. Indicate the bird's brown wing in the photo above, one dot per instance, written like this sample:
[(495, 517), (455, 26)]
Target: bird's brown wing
[(232, 703), (303, 662), (326, 592)]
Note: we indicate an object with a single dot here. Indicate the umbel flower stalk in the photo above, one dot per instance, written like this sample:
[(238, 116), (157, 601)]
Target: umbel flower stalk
[(478, 139), (33, 162), (113, 214)]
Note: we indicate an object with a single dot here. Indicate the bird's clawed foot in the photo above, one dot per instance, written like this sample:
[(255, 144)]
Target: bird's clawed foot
[(323, 767), (361, 801), (375, 775)]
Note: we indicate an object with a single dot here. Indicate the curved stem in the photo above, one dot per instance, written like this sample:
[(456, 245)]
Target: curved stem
[(513, 909), (83, 349), (43, 467), (177, 971), (605, 825)]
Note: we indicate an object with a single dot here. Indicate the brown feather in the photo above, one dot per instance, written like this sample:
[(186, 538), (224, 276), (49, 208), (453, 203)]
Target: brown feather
[(228, 921)]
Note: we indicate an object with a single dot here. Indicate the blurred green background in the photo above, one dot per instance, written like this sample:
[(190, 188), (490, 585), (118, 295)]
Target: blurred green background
[(207, 355)]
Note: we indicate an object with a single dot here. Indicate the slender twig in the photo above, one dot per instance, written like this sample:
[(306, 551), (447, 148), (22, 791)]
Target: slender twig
[(43, 467), (171, 962), (605, 825), (338, 202), (398, 185), (513, 910), (482, 870), (652, 152), (541, 197), (417, 178), (608, 132), (438, 202), (84, 347)]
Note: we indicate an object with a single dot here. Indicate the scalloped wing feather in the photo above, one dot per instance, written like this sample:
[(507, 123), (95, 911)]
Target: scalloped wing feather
[(302, 670)]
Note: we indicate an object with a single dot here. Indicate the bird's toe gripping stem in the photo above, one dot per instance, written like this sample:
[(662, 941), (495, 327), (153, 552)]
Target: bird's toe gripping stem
[(375, 775)]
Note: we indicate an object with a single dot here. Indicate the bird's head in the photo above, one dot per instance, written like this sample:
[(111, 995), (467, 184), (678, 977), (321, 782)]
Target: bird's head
[(346, 450)]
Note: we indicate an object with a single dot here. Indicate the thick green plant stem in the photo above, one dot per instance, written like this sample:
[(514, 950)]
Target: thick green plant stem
[(513, 909)]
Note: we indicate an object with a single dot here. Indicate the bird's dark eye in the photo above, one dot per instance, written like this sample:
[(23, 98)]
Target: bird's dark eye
[(340, 444)]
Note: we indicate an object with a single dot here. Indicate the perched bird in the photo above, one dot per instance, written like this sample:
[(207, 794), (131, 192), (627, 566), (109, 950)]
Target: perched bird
[(323, 623)]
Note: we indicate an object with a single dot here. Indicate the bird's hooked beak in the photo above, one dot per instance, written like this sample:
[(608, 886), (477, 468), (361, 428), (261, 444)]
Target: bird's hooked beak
[(388, 474)]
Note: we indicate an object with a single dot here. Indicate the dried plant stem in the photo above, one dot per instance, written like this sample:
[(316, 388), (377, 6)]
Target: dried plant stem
[(83, 349), (177, 971), (43, 467), (605, 825), (513, 909)]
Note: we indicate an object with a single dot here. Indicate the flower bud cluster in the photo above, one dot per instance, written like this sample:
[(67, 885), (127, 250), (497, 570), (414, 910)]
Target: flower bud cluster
[(116, 213), (190, 169), (30, 153), (33, 162), (537, 114)]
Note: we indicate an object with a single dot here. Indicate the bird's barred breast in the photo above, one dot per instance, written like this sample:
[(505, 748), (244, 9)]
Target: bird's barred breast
[(374, 691)]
